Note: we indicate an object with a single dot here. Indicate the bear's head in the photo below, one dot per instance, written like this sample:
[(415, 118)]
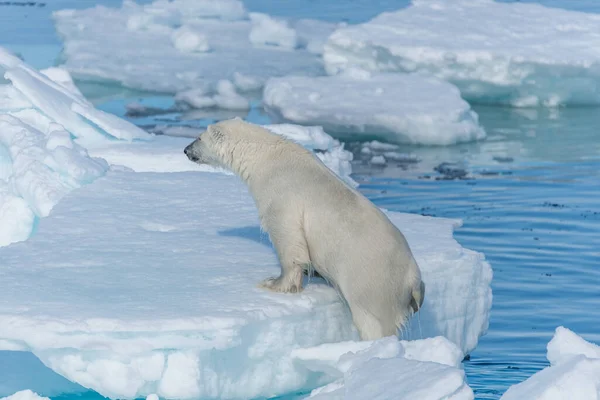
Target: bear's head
[(205, 149)]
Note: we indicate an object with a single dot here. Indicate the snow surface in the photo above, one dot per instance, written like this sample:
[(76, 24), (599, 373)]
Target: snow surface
[(146, 283), (399, 108), (25, 395), (516, 54), (574, 373), (157, 39)]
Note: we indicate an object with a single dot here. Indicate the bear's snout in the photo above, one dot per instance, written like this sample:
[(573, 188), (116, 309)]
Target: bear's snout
[(190, 154)]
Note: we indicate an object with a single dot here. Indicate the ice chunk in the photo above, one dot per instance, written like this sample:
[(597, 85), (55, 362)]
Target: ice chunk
[(246, 83), (267, 30), (44, 120), (225, 97), (183, 318), (16, 218), (25, 395), (516, 54), (371, 370), (398, 108), (187, 41), (312, 34), (42, 170), (567, 343), (378, 160), (574, 373), (59, 104), (62, 77), (95, 40)]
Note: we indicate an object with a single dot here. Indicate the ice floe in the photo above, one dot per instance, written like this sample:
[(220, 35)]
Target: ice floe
[(41, 100), (516, 54), (573, 374), (40, 162), (224, 96), (388, 368), (25, 395), (173, 46), (401, 108), (146, 284)]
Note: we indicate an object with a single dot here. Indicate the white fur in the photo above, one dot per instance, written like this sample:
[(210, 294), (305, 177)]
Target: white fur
[(315, 220)]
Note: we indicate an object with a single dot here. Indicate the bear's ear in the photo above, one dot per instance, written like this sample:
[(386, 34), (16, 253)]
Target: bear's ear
[(215, 133)]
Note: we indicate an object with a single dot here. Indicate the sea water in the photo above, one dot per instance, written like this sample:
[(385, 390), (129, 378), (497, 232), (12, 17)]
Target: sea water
[(528, 194)]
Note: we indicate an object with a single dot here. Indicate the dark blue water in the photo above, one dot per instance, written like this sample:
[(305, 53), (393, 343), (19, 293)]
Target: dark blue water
[(531, 203)]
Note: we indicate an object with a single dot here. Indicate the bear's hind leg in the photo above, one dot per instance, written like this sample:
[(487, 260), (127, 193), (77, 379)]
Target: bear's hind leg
[(370, 327), (293, 255)]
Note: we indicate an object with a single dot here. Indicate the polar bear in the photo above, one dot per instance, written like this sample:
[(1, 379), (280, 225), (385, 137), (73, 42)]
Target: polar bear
[(316, 221)]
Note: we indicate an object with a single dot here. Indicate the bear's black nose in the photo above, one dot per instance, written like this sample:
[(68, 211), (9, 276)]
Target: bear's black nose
[(187, 150)]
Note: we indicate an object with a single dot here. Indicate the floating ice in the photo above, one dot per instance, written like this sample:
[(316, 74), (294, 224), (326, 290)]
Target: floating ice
[(517, 54), (25, 395), (398, 108), (359, 366), (146, 284), (44, 121), (268, 31), (574, 373), (54, 102), (187, 41), (226, 97), (153, 36)]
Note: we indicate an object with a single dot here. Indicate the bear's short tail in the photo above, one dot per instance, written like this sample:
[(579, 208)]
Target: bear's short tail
[(418, 295)]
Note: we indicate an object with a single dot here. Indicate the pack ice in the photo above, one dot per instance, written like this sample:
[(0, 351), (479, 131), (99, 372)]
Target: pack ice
[(146, 283), (400, 108), (573, 374), (175, 46), (515, 54)]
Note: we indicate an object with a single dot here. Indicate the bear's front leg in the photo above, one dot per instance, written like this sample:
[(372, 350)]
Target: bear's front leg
[(292, 252)]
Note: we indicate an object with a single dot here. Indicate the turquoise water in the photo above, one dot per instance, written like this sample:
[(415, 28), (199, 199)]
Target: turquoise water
[(531, 203)]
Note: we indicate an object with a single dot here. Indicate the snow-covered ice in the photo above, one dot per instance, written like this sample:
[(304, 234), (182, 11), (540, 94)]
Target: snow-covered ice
[(188, 41), (40, 162), (50, 101), (401, 108), (146, 283), (173, 46), (574, 372), (225, 96), (388, 368), (269, 31), (517, 54), (25, 395)]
